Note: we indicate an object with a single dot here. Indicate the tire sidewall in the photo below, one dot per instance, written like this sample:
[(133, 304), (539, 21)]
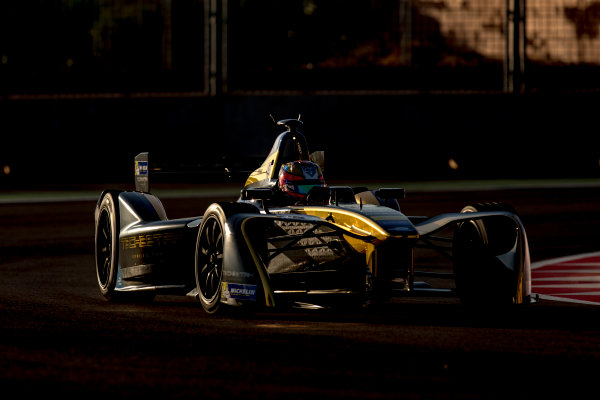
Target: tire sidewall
[(109, 206), (214, 211)]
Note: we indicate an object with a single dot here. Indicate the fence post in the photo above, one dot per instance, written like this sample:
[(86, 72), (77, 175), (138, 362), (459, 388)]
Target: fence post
[(514, 60), (217, 52)]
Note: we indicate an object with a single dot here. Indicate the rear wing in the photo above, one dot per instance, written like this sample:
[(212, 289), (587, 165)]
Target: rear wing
[(161, 170), (142, 178)]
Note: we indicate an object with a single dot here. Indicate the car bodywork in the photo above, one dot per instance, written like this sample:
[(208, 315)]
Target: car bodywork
[(338, 245)]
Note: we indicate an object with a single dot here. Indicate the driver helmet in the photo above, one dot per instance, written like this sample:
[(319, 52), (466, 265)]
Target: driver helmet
[(298, 177)]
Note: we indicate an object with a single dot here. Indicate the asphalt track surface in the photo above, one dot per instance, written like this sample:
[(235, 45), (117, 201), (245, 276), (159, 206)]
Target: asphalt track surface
[(59, 337)]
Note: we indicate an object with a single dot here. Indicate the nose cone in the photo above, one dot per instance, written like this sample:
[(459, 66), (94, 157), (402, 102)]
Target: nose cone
[(398, 226), (391, 221)]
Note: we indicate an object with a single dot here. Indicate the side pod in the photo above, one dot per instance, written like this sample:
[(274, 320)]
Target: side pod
[(154, 252)]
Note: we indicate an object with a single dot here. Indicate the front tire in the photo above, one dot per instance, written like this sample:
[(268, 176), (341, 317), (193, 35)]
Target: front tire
[(481, 279), (209, 259)]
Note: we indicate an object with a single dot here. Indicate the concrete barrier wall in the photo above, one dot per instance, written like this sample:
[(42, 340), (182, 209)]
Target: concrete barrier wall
[(402, 137)]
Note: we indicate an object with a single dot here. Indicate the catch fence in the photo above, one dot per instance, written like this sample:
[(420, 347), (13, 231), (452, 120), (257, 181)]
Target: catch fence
[(210, 47)]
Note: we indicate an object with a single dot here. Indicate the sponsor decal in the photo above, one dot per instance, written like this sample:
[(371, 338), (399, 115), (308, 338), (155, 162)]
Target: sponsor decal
[(269, 169), (238, 274), (326, 247), (149, 240), (119, 284), (141, 168), (239, 291)]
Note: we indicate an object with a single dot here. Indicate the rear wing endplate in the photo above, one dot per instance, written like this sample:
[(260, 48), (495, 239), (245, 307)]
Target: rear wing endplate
[(142, 181)]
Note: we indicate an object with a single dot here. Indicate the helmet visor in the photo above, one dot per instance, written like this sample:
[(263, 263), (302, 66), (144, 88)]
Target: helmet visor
[(304, 189)]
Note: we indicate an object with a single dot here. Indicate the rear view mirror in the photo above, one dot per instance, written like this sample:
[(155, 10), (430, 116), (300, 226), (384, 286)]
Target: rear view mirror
[(390, 193), (318, 157)]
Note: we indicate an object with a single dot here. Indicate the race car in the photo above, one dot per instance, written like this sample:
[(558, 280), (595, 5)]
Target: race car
[(291, 240)]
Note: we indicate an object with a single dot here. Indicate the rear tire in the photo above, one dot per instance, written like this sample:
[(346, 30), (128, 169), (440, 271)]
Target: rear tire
[(107, 248), (107, 253)]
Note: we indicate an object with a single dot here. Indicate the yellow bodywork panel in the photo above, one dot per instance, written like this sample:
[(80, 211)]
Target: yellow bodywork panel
[(280, 153), (364, 227), (347, 220), (265, 172), (366, 224)]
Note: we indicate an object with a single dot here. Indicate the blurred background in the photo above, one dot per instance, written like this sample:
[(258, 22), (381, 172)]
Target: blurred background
[(398, 89)]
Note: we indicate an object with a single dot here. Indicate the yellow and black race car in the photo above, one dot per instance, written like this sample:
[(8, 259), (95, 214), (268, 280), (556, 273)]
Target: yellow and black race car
[(292, 240)]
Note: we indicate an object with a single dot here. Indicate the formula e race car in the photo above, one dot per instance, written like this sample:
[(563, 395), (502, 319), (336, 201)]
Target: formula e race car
[(292, 240)]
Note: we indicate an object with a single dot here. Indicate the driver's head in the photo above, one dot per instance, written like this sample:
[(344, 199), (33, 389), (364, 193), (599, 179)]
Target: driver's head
[(298, 177)]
